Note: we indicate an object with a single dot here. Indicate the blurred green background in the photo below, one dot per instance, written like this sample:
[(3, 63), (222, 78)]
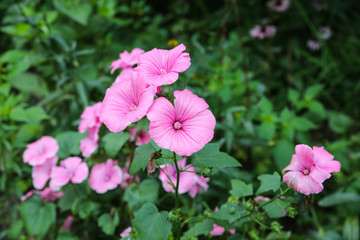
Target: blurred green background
[(267, 95)]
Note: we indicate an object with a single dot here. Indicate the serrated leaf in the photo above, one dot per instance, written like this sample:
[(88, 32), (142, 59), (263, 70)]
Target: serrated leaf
[(37, 216), (85, 207), (210, 156), (69, 143), (141, 158), (339, 198), (229, 212), (275, 209), (151, 224), (269, 182), (136, 195), (113, 142), (200, 228), (108, 223), (241, 189)]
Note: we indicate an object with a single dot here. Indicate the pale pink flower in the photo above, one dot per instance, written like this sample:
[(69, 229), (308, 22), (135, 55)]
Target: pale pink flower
[(141, 137), (200, 183), (90, 121), (309, 168), (263, 31), (313, 45), (67, 223), (126, 232), (186, 179), (162, 67), (127, 60), (89, 144), (38, 152), (125, 75), (185, 128), (278, 5), (325, 33), (105, 176), (260, 199), (47, 195), (127, 179), (284, 211), (218, 230), (126, 102), (72, 169), (41, 173)]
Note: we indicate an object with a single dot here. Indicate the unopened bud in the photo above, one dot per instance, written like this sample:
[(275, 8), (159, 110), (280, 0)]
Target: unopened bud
[(276, 226), (233, 199), (206, 172)]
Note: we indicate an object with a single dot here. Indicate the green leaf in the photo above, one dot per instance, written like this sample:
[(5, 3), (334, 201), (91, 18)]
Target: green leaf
[(293, 97), (77, 10), (317, 108), (269, 182), (151, 224), (29, 83), (210, 156), (229, 212), (339, 198), (72, 194), (267, 131), (274, 209), (69, 143), (85, 207), (141, 158), (108, 223), (241, 189), (136, 195), (37, 216), (351, 228), (15, 230), (339, 122), (30, 115), (302, 124), (66, 235), (113, 142), (312, 91), (282, 153), (200, 228), (265, 105)]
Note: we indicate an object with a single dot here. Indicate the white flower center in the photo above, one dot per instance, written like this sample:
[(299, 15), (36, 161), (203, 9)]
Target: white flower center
[(133, 107), (177, 125), (162, 71), (306, 171)]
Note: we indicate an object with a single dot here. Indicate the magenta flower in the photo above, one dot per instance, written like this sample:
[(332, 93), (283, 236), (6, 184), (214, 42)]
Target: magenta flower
[(105, 176), (264, 31), (187, 179), (126, 102), (124, 75), (184, 129), (89, 144), (71, 169), (41, 173), (309, 168), (141, 137), (126, 232), (162, 67), (127, 60), (67, 223), (47, 195), (39, 152), (278, 5)]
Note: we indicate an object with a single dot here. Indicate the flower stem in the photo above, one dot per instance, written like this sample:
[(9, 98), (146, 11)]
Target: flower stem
[(178, 226)]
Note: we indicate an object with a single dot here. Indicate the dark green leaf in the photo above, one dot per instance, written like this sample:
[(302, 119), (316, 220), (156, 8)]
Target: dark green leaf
[(136, 195), (200, 228), (275, 209), (69, 143), (351, 228), (302, 124), (77, 10), (241, 189), (108, 223), (282, 153), (339, 198), (141, 158), (269, 182), (229, 212), (113, 142)]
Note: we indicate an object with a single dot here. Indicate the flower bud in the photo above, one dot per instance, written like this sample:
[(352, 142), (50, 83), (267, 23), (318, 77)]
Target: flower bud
[(206, 172)]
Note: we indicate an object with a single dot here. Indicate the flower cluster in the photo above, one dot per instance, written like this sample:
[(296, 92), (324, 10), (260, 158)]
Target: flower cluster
[(309, 168), (278, 5)]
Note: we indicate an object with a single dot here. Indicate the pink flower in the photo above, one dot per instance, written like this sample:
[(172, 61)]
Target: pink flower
[(200, 182), (67, 223), (127, 179), (184, 129), (38, 152), (126, 102), (162, 67), (47, 195), (127, 60), (71, 169), (313, 45), (126, 232), (186, 179), (41, 173), (309, 168), (260, 199), (325, 33), (125, 75), (89, 144), (263, 31), (142, 137), (90, 120), (278, 5), (105, 176), (218, 230)]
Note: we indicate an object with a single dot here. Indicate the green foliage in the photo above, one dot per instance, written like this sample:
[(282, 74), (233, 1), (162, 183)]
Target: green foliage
[(229, 212), (137, 195), (151, 224), (200, 228), (108, 223), (141, 158), (69, 143), (339, 198), (269, 182), (113, 142), (241, 189)]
